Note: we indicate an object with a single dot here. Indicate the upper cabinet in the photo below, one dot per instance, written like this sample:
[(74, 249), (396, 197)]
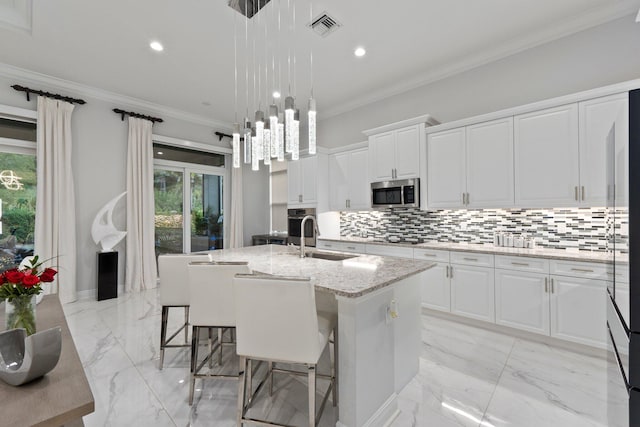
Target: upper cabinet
[(546, 157), (471, 166), (597, 117), (307, 180), (395, 154), (348, 180)]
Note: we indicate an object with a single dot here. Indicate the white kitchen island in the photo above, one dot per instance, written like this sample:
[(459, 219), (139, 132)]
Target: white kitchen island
[(378, 303)]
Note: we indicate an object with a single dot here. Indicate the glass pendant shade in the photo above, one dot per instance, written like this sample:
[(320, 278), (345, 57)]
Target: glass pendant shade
[(281, 142), (260, 134), (312, 126), (236, 145), (289, 111), (267, 144), (247, 141), (255, 163), (273, 125), (295, 136)]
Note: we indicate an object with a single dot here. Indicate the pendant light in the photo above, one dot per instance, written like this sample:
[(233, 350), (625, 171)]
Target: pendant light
[(289, 111), (236, 145), (266, 148), (255, 165), (247, 141), (273, 125), (260, 134), (295, 136)]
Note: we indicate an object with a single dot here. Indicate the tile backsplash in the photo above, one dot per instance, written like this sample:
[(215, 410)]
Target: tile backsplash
[(577, 228)]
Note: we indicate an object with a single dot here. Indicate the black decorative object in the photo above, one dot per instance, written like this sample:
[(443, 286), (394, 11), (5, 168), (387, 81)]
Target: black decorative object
[(107, 275)]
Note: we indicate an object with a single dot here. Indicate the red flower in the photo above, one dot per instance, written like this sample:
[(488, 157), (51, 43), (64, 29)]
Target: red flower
[(30, 280), (47, 275), (14, 276)]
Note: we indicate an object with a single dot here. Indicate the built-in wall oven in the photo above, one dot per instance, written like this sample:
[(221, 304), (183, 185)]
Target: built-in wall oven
[(623, 275), (294, 221)]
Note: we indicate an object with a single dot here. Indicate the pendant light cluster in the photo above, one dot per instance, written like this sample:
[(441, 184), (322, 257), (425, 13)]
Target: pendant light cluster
[(275, 133)]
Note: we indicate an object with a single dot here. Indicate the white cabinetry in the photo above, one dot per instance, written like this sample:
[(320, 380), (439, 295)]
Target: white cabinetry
[(597, 116), (472, 286), (348, 180), (307, 181), (522, 293), (384, 250), (471, 166), (436, 284), (333, 245), (395, 154), (546, 157)]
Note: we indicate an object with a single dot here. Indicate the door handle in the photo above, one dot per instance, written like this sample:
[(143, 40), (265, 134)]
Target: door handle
[(552, 285), (451, 272), (546, 286), (467, 198), (583, 192), (446, 271), (463, 198), (575, 192)]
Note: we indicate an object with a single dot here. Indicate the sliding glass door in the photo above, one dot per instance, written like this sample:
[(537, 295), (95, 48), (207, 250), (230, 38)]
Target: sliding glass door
[(189, 205)]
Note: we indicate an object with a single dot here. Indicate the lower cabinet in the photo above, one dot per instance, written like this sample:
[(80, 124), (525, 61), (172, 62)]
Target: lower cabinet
[(436, 287), (472, 292), (522, 300), (578, 311)]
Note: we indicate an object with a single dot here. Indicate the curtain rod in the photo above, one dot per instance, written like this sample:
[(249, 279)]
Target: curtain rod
[(47, 94), (140, 116)]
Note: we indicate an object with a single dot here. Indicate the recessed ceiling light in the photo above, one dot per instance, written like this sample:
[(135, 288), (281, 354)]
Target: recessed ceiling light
[(157, 46), (276, 94), (359, 52)]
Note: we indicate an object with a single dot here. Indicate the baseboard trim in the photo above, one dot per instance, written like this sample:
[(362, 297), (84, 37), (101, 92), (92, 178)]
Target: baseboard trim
[(92, 294), (384, 416)]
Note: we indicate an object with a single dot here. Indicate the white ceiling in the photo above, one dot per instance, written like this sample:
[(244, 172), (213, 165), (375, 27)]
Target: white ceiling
[(104, 44)]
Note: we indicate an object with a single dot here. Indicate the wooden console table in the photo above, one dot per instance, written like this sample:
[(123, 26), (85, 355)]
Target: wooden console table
[(59, 398)]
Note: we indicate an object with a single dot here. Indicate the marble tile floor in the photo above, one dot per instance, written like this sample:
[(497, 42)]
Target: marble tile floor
[(468, 376)]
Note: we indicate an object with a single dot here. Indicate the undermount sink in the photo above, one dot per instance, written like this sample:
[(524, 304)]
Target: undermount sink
[(328, 256)]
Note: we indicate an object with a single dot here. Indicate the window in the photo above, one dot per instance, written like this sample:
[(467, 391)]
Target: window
[(17, 191), (189, 191)]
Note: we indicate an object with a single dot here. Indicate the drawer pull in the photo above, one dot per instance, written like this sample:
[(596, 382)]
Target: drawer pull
[(353, 248), (522, 264), (611, 274), (470, 259), (328, 246), (432, 255), (582, 270)]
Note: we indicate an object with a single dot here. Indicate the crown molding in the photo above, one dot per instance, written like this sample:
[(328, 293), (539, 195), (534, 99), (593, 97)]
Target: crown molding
[(78, 89), (566, 28), (425, 119)]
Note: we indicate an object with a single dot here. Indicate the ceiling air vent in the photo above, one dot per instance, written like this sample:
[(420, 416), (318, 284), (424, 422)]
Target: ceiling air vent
[(324, 24)]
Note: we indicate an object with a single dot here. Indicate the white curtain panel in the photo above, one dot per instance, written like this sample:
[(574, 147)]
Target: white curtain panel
[(236, 238), (55, 233), (140, 270)]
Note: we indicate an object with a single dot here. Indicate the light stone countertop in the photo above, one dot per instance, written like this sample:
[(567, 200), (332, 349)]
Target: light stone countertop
[(558, 254), (353, 277)]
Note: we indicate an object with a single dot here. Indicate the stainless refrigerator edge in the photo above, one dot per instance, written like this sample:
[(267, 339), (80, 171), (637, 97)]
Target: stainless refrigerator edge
[(623, 266)]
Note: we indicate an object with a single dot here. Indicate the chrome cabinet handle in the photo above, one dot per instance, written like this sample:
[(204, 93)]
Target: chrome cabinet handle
[(582, 270), (353, 248), (433, 255), (552, 285), (575, 192), (523, 264), (463, 198), (328, 246), (446, 271), (451, 272), (467, 198), (546, 286), (470, 259), (583, 192)]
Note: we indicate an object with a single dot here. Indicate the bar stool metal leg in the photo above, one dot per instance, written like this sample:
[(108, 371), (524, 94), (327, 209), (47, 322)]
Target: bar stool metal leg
[(311, 373), (195, 335), (334, 367), (186, 324), (163, 333), (241, 390), (220, 331)]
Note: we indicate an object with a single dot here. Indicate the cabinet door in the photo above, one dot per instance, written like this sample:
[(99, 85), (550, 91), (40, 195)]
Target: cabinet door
[(309, 179), (408, 152), (339, 174), (359, 189), (489, 155), (382, 156), (472, 292), (294, 183), (546, 158), (578, 310), (522, 300), (597, 117), (436, 287), (446, 169)]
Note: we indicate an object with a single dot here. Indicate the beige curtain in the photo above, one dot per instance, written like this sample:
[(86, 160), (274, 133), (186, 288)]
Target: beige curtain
[(140, 270), (55, 231), (236, 235)]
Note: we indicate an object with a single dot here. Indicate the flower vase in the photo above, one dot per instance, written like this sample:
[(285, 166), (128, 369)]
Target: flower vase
[(20, 312)]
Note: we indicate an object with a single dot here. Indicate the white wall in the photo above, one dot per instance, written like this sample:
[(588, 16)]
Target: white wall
[(597, 57), (99, 162)]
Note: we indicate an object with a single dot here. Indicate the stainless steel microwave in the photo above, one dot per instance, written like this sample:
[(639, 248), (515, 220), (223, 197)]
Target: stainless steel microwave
[(404, 193)]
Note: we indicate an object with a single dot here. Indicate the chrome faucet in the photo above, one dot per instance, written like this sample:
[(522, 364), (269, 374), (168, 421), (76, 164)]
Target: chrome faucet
[(302, 239)]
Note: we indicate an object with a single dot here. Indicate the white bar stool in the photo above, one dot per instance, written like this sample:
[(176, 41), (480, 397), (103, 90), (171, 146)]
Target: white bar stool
[(212, 306), (277, 321), (174, 292)]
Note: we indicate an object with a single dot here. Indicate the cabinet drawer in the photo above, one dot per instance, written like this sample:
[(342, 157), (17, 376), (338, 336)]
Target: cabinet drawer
[(342, 246), (533, 265), (587, 270), (397, 251), (431, 255), (471, 258)]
